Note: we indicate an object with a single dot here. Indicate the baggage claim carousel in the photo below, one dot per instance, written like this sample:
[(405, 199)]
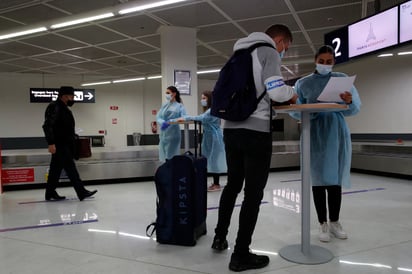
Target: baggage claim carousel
[(28, 168)]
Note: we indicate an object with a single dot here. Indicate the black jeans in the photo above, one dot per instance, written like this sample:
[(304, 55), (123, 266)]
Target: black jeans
[(334, 202), (248, 155), (63, 159)]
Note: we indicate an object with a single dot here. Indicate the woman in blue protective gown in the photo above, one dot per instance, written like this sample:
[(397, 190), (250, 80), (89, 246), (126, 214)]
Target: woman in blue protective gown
[(169, 137), (330, 146), (213, 147)]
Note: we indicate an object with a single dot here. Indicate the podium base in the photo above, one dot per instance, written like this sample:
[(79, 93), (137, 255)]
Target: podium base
[(316, 255)]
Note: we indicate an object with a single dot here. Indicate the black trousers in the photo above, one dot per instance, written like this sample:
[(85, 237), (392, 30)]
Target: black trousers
[(248, 155), (216, 177), (334, 198), (63, 159)]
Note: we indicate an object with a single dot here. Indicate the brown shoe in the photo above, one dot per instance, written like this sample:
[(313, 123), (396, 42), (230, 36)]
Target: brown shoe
[(213, 188)]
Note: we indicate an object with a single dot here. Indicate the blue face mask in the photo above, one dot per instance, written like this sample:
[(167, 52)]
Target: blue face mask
[(203, 103), (282, 53), (168, 97), (323, 69)]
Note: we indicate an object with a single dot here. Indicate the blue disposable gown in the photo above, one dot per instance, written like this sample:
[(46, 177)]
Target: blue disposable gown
[(330, 140), (213, 147), (169, 139)]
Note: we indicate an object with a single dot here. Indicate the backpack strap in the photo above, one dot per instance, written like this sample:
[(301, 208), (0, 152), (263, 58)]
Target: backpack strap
[(252, 48)]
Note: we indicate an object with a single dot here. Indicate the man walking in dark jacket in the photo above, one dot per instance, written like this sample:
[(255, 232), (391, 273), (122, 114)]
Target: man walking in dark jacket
[(58, 128)]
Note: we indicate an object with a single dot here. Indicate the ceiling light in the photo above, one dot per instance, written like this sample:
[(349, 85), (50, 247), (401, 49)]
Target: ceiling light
[(82, 20), (129, 80), (208, 71), (96, 83), (149, 6), (20, 33), (385, 55), (405, 53), (154, 77)]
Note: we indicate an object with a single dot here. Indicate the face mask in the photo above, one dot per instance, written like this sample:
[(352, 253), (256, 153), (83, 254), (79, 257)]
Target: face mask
[(203, 103), (70, 103), (282, 53), (323, 69), (168, 97)]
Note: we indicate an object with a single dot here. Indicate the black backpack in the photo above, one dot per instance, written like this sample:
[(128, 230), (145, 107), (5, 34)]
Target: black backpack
[(234, 95)]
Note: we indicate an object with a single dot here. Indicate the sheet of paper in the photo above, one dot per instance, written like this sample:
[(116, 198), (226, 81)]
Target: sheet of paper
[(336, 86)]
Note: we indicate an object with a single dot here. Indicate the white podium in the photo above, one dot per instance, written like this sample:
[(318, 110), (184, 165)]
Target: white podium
[(305, 253)]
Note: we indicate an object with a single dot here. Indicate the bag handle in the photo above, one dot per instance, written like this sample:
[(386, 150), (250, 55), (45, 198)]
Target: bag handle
[(149, 231)]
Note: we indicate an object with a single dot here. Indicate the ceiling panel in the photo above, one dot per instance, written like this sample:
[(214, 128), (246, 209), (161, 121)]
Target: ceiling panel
[(11, 3), (241, 9), (194, 15), (53, 42), (8, 68), (30, 63), (6, 24), (211, 61), (99, 36), (149, 57), (134, 26), (59, 58), (6, 56), (319, 4), (34, 14), (153, 40), (219, 32), (79, 6), (330, 17), (129, 45), (225, 47), (91, 53), (21, 49), (120, 61), (90, 66), (261, 24)]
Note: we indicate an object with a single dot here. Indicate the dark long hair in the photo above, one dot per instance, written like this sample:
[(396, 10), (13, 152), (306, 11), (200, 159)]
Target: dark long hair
[(325, 49), (209, 96), (174, 90)]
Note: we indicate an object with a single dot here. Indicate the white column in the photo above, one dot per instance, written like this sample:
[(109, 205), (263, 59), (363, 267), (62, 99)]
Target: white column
[(178, 53)]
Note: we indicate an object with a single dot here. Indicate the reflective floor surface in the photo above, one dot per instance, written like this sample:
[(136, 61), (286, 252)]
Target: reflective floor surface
[(106, 234)]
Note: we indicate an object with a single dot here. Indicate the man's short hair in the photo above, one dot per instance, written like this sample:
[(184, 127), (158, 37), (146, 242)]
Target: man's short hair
[(279, 30), (66, 90)]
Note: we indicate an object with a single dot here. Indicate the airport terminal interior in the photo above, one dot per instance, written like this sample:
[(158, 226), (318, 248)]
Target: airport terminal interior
[(119, 61)]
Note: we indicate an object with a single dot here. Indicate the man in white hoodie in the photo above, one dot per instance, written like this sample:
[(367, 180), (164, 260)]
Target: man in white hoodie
[(248, 146)]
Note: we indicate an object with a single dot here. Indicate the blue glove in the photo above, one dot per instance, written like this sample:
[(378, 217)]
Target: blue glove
[(164, 126)]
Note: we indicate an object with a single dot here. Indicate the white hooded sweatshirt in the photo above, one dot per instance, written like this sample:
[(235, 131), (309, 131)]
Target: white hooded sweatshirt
[(267, 75)]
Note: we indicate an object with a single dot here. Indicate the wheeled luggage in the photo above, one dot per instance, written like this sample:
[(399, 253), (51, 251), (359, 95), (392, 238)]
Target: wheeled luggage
[(181, 186)]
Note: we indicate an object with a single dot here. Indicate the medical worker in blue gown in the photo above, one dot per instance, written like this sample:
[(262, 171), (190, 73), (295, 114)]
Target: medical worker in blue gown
[(330, 147), (213, 147), (169, 137)]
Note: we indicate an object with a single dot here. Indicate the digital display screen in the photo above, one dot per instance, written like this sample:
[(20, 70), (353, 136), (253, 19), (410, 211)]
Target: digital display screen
[(405, 29), (373, 33)]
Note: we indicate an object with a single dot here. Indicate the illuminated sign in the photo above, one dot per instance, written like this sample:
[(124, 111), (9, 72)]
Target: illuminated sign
[(46, 95)]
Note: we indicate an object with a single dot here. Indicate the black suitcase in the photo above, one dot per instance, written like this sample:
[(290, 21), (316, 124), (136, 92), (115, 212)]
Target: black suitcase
[(181, 186)]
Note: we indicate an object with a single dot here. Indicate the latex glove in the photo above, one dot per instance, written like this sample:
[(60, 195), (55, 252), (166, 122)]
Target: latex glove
[(164, 126)]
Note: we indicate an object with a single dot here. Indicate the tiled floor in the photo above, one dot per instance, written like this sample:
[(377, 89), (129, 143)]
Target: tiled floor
[(106, 234)]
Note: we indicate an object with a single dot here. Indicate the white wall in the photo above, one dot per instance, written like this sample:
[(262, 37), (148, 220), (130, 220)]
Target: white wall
[(384, 84), (136, 100), (385, 87)]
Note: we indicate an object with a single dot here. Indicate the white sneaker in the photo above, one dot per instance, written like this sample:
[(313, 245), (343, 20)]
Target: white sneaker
[(324, 235), (337, 231)]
